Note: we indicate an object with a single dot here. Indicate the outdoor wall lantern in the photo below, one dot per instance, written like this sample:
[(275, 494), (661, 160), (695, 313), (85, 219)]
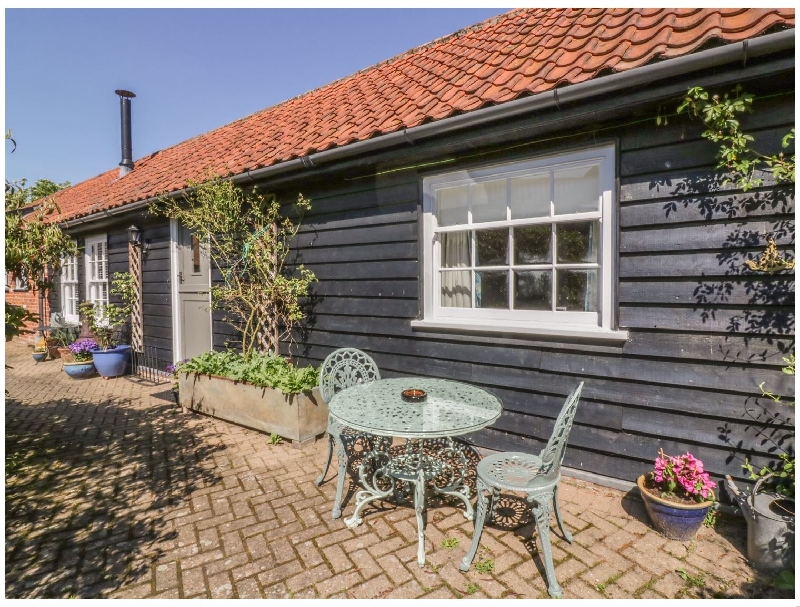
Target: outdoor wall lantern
[(134, 235), (135, 238)]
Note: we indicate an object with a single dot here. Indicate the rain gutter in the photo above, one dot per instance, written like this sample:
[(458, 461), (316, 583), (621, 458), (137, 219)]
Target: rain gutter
[(670, 68)]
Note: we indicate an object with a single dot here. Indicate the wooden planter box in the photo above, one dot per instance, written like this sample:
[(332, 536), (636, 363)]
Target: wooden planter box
[(297, 417)]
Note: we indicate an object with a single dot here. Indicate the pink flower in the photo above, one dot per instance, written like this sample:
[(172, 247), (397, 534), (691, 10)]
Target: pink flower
[(684, 475)]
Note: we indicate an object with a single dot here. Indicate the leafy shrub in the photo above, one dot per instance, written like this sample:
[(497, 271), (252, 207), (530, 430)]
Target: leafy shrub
[(16, 317), (260, 369)]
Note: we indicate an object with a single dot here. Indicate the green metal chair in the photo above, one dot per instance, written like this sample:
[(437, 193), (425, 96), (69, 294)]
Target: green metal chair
[(537, 477), (343, 368)]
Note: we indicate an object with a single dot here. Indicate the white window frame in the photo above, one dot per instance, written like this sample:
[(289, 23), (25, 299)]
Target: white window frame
[(20, 283), (96, 270), (597, 325), (69, 288)]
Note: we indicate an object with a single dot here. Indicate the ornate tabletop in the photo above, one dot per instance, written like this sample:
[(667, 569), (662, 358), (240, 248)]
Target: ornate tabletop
[(450, 408)]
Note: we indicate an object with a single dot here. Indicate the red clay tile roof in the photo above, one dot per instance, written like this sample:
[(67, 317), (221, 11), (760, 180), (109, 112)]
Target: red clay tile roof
[(522, 52)]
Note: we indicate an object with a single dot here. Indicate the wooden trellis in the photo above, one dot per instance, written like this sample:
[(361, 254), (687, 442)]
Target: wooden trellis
[(137, 323)]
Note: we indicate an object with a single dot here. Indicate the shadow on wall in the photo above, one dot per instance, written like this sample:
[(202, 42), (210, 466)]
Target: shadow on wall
[(764, 302), (87, 491), (756, 307)]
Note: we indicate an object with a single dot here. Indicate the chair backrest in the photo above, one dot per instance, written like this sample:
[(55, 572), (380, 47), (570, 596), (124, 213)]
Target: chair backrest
[(553, 453), (343, 368)]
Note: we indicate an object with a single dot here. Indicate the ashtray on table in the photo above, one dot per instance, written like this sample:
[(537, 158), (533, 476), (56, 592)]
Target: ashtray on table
[(413, 395)]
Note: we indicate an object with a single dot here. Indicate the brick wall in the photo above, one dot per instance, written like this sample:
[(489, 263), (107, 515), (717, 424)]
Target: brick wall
[(28, 299)]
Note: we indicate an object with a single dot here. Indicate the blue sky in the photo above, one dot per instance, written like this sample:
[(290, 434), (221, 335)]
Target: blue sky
[(192, 70)]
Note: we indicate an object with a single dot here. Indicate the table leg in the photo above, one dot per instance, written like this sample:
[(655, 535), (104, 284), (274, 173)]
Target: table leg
[(376, 461), (456, 487), (419, 509)]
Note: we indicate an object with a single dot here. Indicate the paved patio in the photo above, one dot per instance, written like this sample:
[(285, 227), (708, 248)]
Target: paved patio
[(112, 492)]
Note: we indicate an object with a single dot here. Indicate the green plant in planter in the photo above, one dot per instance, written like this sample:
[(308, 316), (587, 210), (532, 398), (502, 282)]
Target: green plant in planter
[(40, 345), (61, 337), (259, 369), (82, 350), (107, 322), (782, 470)]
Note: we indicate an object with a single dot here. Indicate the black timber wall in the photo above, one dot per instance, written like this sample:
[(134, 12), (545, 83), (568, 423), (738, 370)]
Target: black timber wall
[(156, 283), (704, 331), (157, 288)]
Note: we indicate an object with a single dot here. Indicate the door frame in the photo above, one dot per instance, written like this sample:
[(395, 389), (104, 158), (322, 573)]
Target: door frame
[(177, 321)]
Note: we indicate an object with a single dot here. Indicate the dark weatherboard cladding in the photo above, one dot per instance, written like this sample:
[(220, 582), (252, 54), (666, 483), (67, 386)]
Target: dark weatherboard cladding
[(704, 331)]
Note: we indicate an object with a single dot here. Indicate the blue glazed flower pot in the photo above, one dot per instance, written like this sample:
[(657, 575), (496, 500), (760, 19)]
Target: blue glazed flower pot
[(39, 356), (79, 370), (112, 362), (673, 520)]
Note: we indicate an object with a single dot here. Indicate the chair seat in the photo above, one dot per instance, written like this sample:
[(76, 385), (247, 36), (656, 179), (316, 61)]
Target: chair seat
[(513, 471)]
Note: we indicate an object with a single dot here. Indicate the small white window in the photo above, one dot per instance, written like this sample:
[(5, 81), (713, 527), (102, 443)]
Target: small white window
[(522, 247), (20, 282), (69, 288), (96, 255)]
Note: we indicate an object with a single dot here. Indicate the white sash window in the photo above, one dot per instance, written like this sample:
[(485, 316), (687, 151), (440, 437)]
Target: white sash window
[(522, 247), (96, 255), (69, 288)]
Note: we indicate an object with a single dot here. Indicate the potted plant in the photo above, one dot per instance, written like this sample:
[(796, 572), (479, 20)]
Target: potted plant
[(81, 366), (259, 390), (677, 495), (769, 511), (769, 506), (58, 343), (40, 350), (106, 323)]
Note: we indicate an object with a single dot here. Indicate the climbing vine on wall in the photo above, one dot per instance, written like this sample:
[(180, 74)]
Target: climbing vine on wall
[(247, 239)]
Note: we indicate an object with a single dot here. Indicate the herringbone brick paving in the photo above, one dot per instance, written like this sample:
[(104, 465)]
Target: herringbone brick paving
[(111, 491)]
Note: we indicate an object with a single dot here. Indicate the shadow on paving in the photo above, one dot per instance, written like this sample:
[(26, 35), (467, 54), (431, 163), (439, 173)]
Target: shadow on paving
[(761, 585), (87, 487)]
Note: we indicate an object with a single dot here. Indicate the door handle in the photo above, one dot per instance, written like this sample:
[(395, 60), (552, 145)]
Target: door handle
[(180, 277)]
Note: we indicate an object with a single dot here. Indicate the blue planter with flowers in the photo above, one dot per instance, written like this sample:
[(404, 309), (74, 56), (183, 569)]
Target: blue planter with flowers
[(79, 370), (677, 495), (81, 365), (112, 361), (673, 520)]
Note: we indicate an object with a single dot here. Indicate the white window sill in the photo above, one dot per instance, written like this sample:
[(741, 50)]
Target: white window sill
[(487, 326)]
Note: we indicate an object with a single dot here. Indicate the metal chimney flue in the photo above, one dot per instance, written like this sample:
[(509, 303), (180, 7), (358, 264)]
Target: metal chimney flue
[(126, 165)]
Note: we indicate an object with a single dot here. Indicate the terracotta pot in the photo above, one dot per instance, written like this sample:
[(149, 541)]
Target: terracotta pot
[(674, 520), (65, 355)]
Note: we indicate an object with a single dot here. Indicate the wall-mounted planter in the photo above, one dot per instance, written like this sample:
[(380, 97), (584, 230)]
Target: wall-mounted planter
[(112, 363), (297, 417)]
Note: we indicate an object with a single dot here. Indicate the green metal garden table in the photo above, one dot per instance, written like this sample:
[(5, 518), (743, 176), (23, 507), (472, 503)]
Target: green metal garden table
[(431, 456)]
